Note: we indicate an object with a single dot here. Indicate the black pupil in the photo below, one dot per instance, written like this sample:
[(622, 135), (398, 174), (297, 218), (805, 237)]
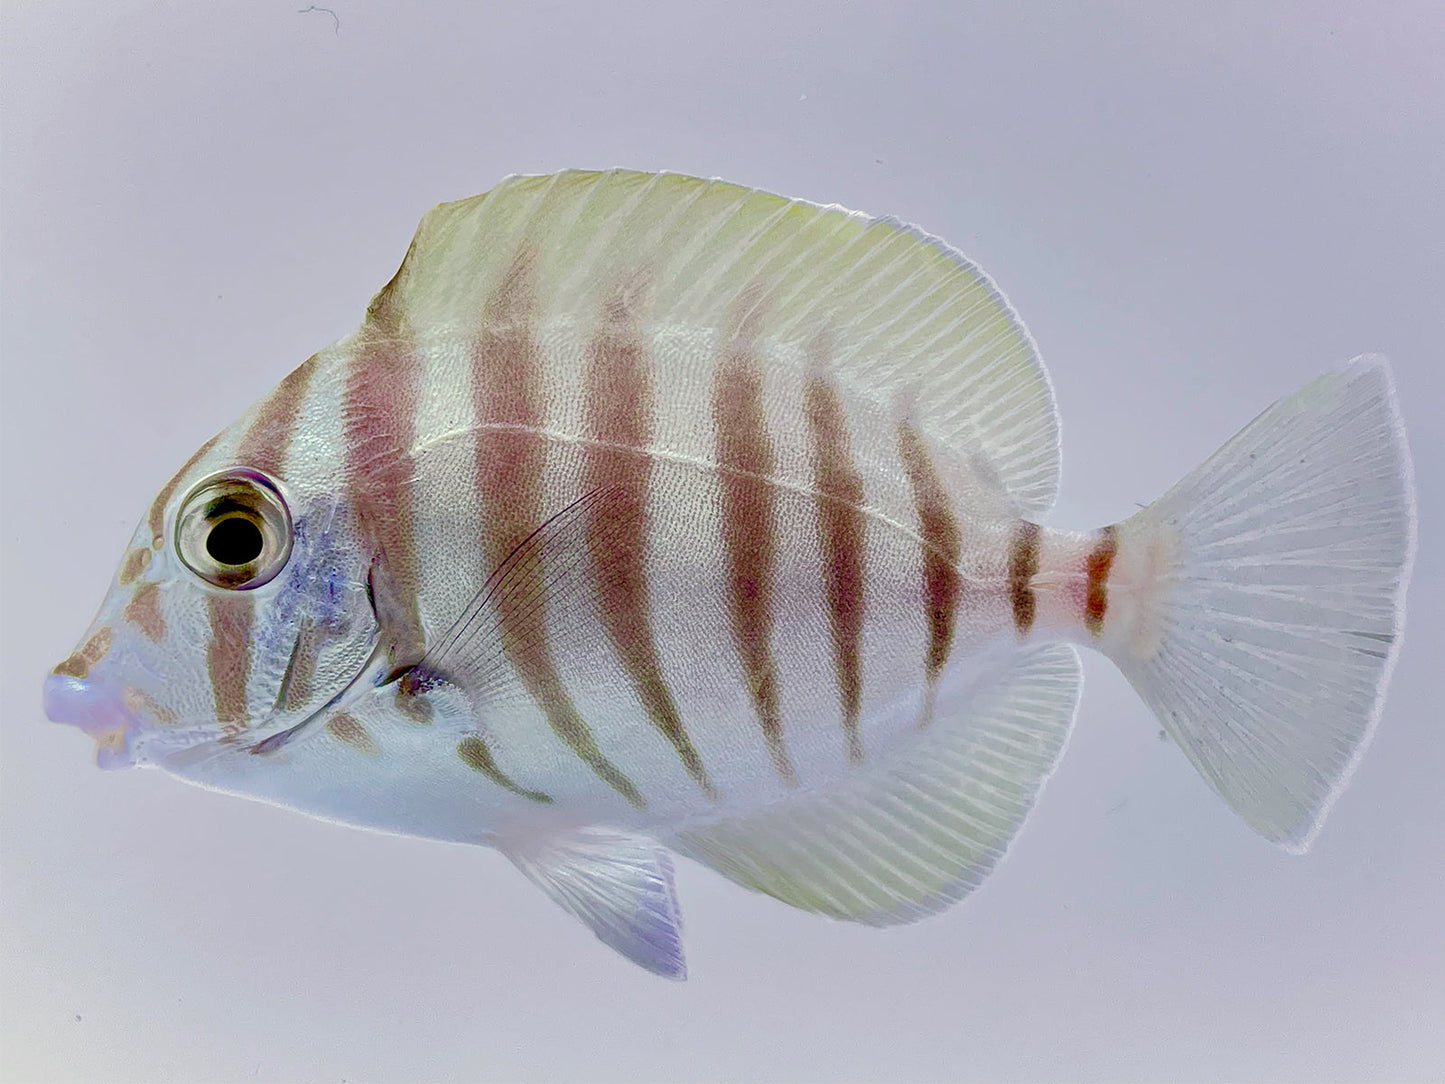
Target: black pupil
[(235, 540)]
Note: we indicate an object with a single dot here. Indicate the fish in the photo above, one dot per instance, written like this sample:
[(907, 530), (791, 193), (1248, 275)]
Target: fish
[(648, 515)]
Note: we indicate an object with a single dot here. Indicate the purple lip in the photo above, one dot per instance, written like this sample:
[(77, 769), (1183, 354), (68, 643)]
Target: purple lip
[(76, 702)]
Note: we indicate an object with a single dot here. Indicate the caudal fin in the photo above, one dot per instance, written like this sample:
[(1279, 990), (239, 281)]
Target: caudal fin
[(1263, 599)]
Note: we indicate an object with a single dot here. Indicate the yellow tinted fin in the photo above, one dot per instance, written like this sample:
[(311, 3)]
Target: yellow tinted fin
[(921, 831), (903, 314)]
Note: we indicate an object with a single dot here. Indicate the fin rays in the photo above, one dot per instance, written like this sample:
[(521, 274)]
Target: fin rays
[(912, 836)]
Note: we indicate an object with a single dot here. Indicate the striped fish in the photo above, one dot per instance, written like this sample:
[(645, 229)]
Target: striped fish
[(649, 514)]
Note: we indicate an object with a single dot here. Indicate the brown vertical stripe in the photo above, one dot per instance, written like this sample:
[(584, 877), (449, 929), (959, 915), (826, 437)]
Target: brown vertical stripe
[(510, 457), (619, 406), (91, 652), (378, 409), (156, 518), (134, 564), (263, 447), (1096, 598), (345, 728), (268, 438), (144, 611), (1023, 565), (840, 516), (941, 546), (478, 758), (300, 672), (228, 654), (746, 455)]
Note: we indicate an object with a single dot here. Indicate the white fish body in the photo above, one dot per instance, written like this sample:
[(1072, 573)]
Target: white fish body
[(646, 512)]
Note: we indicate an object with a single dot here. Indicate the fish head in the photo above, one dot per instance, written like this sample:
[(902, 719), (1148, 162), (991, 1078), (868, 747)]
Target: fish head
[(240, 609)]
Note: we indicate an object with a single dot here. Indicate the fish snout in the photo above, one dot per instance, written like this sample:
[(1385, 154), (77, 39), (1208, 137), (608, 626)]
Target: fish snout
[(79, 702)]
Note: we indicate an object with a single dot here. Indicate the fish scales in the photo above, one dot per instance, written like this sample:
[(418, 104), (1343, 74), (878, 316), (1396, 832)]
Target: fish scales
[(550, 450), (647, 513), (681, 541), (523, 447)]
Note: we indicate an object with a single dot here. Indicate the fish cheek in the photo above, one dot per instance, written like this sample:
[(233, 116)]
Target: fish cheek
[(317, 627)]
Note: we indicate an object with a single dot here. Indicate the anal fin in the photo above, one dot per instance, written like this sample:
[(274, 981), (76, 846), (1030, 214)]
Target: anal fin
[(619, 884), (919, 832)]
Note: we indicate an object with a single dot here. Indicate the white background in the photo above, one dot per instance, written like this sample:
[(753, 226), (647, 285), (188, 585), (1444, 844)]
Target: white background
[(1196, 207)]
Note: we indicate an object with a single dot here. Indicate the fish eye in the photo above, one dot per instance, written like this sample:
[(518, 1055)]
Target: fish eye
[(234, 530)]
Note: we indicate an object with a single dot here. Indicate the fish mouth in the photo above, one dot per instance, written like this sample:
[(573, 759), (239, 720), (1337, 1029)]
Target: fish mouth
[(97, 711)]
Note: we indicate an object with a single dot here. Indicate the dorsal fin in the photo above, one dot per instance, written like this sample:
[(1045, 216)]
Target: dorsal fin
[(904, 315)]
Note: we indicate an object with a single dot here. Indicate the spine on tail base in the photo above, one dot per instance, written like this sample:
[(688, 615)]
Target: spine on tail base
[(1257, 606)]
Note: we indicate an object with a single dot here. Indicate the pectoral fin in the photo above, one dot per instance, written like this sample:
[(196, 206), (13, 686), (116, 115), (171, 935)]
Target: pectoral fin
[(617, 883), (507, 616), (502, 645)]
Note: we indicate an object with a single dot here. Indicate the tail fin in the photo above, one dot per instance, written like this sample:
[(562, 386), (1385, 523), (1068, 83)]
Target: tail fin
[(1263, 599)]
